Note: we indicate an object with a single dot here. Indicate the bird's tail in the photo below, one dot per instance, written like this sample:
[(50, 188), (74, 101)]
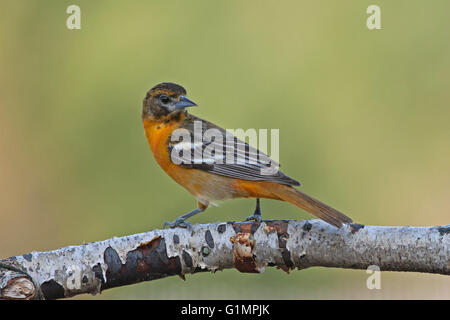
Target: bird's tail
[(313, 206)]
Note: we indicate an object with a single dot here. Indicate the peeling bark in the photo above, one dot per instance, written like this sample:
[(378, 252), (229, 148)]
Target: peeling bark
[(16, 286), (246, 246)]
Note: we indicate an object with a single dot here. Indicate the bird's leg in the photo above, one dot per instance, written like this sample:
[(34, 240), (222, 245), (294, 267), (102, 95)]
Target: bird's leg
[(257, 214), (180, 221)]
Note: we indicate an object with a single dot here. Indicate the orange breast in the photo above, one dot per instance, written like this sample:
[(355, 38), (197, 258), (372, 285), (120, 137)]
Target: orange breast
[(158, 134), (195, 181)]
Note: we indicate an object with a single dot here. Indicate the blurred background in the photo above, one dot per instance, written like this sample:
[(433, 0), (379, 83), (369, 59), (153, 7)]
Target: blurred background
[(367, 111)]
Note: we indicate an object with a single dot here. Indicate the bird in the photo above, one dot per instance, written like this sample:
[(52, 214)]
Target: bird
[(177, 141)]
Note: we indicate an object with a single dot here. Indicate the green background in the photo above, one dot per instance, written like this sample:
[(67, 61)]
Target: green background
[(363, 118)]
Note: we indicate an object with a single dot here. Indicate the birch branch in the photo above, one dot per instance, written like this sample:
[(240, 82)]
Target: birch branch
[(246, 246)]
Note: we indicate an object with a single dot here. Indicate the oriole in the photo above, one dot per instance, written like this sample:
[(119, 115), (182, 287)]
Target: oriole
[(209, 178)]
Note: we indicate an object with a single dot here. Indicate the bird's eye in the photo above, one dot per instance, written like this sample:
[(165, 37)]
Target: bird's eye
[(164, 99)]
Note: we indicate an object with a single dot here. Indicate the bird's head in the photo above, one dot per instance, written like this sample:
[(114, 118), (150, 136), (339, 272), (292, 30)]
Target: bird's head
[(165, 99)]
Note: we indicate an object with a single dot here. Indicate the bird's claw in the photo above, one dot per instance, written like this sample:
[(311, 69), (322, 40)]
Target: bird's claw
[(178, 223), (255, 217)]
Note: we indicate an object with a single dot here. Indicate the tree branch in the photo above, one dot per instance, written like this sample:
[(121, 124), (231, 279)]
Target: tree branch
[(246, 246)]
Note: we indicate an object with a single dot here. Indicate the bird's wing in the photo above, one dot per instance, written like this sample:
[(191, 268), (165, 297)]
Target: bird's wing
[(202, 145)]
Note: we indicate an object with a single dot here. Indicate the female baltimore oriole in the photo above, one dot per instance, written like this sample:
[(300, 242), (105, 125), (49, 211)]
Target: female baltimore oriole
[(209, 177)]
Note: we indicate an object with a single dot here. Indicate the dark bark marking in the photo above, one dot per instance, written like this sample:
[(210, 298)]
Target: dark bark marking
[(52, 290), (187, 259), (209, 239)]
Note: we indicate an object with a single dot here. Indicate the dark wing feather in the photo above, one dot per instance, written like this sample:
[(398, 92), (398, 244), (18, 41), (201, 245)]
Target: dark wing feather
[(231, 158)]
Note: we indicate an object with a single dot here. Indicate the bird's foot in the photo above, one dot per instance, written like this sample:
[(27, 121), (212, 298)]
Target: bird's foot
[(255, 217), (178, 223)]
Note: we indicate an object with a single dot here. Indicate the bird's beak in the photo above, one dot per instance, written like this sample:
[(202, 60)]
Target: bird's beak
[(184, 103)]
